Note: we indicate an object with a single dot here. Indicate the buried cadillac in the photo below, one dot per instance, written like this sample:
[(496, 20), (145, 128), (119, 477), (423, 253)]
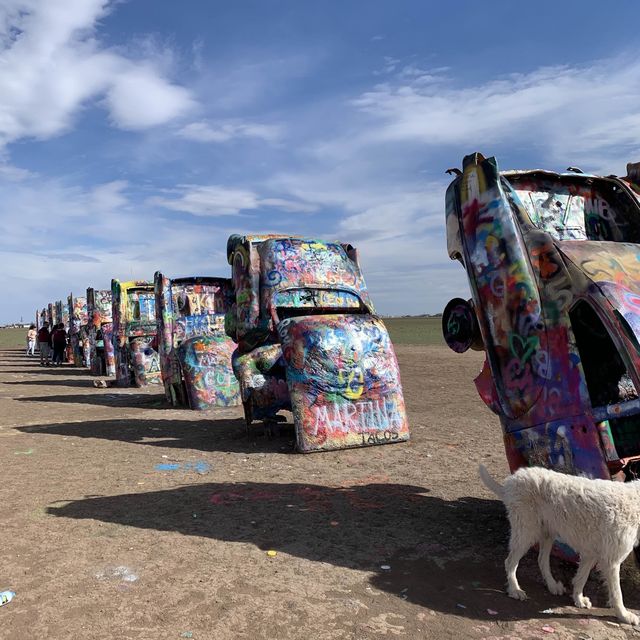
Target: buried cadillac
[(134, 333), (195, 353), (553, 263), (78, 319), (309, 341), (100, 332)]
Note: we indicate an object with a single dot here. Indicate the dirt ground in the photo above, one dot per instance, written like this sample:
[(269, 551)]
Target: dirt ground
[(122, 518)]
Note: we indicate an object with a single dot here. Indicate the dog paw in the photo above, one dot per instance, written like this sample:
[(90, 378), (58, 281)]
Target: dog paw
[(630, 618), (557, 589), (582, 602), (517, 594)]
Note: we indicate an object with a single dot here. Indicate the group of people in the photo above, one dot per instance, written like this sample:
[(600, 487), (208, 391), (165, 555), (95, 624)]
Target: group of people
[(51, 343)]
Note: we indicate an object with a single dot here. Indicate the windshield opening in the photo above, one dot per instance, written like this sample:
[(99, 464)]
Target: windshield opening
[(579, 209), (142, 306)]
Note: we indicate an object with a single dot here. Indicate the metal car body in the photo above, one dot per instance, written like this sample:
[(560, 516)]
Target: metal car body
[(134, 333), (309, 341), (195, 352), (42, 316), (51, 315), (77, 319), (100, 332), (60, 315), (553, 263)]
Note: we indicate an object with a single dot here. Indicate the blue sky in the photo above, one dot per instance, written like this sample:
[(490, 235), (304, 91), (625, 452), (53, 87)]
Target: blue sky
[(137, 135)]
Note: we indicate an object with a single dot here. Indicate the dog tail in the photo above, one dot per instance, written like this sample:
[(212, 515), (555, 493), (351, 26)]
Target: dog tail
[(489, 482)]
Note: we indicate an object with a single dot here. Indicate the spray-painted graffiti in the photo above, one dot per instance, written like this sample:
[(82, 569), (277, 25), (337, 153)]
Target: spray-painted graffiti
[(100, 332), (208, 376), (308, 341), (195, 353), (78, 318), (134, 333), (144, 360), (344, 381), (553, 265), (263, 386)]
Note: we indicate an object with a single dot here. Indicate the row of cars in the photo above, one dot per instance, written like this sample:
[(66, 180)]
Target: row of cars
[(293, 329)]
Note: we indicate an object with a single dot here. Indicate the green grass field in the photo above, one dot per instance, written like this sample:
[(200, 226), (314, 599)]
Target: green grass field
[(425, 331), (402, 330), (13, 338)]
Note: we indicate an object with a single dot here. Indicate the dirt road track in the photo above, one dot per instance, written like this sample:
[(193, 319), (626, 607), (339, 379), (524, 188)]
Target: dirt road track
[(124, 519)]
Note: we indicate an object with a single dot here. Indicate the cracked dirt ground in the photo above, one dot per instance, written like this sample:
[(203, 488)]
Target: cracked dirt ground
[(126, 519)]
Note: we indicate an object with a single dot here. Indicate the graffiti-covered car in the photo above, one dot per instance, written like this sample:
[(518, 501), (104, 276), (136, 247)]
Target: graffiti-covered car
[(134, 333), (51, 314), (64, 318), (309, 341), (195, 352), (553, 263), (77, 320), (42, 316), (100, 332)]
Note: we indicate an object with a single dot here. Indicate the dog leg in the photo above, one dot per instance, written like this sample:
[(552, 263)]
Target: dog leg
[(579, 580), (612, 576), (544, 552), (517, 548)]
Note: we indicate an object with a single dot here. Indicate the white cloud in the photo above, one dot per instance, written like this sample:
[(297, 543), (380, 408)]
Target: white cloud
[(217, 200), (208, 200), (290, 206), (12, 173), (561, 111), (52, 65), (368, 170), (108, 197), (140, 98), (397, 226), (224, 131), (366, 165), (56, 238)]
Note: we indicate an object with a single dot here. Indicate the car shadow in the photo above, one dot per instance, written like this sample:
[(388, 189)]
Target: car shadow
[(205, 434), (64, 370), (444, 555), (116, 400), (87, 384)]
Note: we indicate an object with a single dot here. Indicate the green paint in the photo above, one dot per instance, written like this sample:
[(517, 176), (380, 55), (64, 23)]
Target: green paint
[(523, 348)]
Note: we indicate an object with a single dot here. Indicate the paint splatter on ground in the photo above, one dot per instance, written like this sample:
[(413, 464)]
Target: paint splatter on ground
[(122, 573), (199, 467)]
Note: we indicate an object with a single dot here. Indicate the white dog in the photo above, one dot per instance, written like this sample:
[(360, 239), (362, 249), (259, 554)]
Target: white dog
[(600, 519)]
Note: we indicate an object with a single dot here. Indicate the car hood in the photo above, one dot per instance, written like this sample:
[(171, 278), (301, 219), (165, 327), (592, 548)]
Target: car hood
[(615, 268)]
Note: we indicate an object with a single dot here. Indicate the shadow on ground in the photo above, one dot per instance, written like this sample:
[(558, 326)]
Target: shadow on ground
[(35, 368), (204, 434), (437, 553), (87, 384), (117, 400)]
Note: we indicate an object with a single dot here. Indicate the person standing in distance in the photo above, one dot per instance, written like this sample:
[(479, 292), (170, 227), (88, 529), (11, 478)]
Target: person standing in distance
[(44, 340), (32, 334)]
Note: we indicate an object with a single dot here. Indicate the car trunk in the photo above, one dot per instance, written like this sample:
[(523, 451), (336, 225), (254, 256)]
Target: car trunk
[(343, 380)]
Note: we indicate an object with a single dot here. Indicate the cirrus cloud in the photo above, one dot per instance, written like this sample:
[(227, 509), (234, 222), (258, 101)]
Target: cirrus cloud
[(217, 200)]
